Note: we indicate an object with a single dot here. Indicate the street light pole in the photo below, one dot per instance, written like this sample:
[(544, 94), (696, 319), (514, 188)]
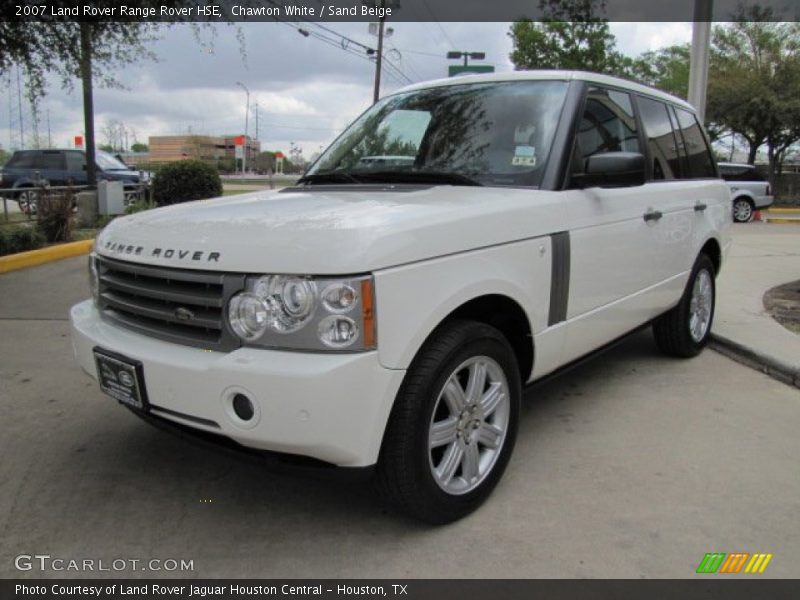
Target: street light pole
[(246, 115)]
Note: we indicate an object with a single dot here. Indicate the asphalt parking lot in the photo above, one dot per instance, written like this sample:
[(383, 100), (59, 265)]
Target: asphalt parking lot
[(630, 466)]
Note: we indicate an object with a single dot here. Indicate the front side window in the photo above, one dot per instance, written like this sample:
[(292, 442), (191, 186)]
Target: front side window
[(76, 162), (607, 125), (486, 134), (660, 138), (698, 154)]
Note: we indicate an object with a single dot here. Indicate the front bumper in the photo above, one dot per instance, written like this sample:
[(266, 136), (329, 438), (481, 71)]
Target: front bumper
[(331, 407)]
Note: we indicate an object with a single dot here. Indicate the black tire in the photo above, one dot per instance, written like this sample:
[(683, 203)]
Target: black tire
[(673, 329), (743, 210), (405, 475)]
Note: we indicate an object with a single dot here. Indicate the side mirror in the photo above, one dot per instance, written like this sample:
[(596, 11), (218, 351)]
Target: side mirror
[(612, 169)]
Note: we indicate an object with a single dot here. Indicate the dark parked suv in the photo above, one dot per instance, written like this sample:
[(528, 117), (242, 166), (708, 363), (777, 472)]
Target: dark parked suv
[(57, 168)]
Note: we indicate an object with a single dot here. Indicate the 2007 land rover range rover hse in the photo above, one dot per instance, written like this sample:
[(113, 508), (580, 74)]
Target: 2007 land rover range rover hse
[(461, 239)]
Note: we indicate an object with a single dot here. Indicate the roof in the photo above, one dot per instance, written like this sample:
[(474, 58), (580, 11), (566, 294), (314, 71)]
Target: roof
[(550, 75)]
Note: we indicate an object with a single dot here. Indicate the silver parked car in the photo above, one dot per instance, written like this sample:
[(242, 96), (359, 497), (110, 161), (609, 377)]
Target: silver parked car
[(749, 189)]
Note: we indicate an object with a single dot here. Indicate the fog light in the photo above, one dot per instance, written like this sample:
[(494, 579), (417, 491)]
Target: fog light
[(243, 407)]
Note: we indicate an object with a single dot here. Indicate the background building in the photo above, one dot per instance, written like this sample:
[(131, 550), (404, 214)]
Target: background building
[(210, 149)]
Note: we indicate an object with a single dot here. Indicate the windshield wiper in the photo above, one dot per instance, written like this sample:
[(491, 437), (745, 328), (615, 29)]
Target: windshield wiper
[(329, 177), (418, 177)]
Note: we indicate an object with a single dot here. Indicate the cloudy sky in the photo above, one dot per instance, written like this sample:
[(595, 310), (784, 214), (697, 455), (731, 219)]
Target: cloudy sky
[(307, 91)]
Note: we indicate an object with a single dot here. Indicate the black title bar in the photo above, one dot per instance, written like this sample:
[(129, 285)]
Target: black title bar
[(371, 10)]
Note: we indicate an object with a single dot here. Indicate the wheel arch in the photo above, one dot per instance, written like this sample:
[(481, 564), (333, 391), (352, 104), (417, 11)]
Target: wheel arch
[(713, 249), (507, 316)]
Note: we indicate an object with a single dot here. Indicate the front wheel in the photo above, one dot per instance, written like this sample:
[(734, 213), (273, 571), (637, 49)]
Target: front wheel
[(742, 210), (26, 200), (453, 426), (684, 330)]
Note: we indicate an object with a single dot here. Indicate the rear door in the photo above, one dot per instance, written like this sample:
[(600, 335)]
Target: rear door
[(51, 166)]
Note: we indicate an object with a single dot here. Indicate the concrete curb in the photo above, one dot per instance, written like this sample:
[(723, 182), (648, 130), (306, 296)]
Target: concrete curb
[(775, 368), (33, 258)]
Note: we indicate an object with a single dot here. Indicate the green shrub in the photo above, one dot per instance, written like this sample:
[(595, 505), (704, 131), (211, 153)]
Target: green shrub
[(54, 212), (19, 238), (184, 181)]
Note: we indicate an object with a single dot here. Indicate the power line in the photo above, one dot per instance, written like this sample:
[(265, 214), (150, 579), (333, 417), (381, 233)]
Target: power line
[(444, 33)]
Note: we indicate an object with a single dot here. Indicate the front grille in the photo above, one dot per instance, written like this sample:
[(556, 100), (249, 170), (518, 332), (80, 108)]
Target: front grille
[(177, 305)]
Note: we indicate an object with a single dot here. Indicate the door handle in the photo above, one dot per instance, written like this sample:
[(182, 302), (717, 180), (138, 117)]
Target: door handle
[(700, 207), (652, 215)]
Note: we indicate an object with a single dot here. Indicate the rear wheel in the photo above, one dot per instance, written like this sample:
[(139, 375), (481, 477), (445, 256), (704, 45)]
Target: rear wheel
[(742, 210), (684, 330), (453, 426)]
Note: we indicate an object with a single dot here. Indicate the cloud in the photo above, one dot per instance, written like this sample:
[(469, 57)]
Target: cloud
[(307, 90)]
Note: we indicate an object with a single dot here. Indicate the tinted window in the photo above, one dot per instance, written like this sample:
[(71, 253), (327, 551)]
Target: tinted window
[(607, 124), (660, 138), (740, 173), (697, 152), (75, 161), (21, 160), (50, 161)]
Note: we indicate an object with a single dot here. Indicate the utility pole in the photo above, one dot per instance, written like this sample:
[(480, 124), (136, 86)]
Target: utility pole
[(698, 61), (88, 103), (376, 93), (246, 115)]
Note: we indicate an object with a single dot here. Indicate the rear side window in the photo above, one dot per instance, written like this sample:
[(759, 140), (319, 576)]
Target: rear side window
[(660, 138), (607, 125), (21, 160), (740, 173), (698, 154), (50, 161)]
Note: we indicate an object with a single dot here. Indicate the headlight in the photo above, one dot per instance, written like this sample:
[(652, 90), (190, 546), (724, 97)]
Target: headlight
[(290, 311), (94, 279)]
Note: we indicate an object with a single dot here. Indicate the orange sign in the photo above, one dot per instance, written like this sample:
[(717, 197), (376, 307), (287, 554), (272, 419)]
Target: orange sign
[(79, 141), (239, 140), (279, 155)]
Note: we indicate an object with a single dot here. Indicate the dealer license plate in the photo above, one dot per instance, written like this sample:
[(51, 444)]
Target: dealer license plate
[(121, 378)]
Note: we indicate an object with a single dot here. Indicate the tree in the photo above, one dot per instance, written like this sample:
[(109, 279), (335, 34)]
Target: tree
[(89, 51), (4, 156), (570, 36), (139, 147), (666, 69), (754, 82)]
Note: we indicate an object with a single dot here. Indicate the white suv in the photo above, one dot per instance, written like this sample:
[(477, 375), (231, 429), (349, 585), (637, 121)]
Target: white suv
[(750, 191), (386, 315)]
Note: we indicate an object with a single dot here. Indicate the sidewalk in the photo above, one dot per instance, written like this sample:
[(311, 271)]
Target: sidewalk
[(763, 256)]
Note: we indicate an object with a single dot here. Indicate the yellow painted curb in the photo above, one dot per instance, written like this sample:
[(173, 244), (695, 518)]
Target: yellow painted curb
[(783, 210), (32, 258), (783, 221)]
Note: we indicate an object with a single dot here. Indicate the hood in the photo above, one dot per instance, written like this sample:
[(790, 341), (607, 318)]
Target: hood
[(326, 232)]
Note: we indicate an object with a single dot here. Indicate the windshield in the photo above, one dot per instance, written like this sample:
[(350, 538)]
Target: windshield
[(109, 163), (487, 133)]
